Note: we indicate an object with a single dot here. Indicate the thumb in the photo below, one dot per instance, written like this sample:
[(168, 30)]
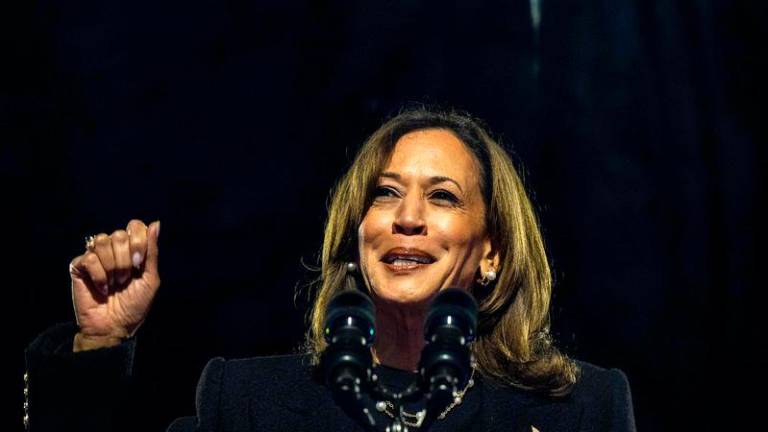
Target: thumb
[(153, 232)]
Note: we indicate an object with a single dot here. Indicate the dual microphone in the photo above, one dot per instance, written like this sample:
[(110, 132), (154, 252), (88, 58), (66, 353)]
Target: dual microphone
[(444, 369)]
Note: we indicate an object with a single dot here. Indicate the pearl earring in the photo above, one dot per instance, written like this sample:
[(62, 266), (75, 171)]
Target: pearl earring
[(488, 277)]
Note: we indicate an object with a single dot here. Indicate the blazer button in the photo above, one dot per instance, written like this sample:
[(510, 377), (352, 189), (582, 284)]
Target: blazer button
[(26, 422)]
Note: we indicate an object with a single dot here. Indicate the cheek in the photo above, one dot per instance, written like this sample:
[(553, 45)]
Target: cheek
[(370, 229), (465, 243), (370, 233), (456, 233)]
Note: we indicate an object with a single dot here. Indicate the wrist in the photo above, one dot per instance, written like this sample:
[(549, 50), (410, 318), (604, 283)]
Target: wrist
[(83, 342)]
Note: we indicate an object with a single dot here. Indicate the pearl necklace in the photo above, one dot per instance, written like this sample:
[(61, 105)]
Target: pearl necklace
[(415, 419)]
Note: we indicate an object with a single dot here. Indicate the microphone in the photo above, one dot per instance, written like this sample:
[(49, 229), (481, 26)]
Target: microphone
[(347, 362), (446, 364)]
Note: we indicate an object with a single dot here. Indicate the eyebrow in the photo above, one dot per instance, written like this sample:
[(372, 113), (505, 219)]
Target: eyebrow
[(432, 180)]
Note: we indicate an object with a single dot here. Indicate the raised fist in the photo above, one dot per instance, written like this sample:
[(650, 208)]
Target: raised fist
[(113, 284)]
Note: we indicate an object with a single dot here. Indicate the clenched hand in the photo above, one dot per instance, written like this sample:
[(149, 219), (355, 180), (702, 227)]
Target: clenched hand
[(113, 285)]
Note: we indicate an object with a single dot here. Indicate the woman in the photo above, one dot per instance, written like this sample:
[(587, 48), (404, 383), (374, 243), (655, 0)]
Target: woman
[(430, 202)]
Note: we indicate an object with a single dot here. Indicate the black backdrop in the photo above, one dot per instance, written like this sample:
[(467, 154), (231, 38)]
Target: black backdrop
[(636, 124)]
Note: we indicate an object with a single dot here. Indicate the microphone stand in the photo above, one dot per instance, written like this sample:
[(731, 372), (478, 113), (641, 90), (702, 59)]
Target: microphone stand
[(444, 365)]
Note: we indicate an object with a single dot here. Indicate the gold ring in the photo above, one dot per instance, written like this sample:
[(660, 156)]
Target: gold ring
[(89, 242)]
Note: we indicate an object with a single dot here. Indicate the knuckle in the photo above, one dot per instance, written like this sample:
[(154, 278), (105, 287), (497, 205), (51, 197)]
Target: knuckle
[(135, 224), (101, 239), (76, 260), (120, 236), (91, 259)]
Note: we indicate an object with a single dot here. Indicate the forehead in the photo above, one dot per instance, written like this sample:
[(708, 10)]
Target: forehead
[(434, 152)]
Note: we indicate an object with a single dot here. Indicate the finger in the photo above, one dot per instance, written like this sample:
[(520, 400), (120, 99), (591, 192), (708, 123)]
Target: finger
[(84, 290), (103, 248), (76, 268), (89, 265), (137, 232), (150, 265), (122, 252)]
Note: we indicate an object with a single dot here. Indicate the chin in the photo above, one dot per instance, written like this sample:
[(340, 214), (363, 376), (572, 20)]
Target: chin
[(405, 292)]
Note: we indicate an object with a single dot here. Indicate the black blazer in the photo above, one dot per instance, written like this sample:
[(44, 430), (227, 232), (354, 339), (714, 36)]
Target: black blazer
[(282, 394)]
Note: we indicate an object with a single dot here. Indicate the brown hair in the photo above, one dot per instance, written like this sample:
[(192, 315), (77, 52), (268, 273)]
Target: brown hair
[(514, 345)]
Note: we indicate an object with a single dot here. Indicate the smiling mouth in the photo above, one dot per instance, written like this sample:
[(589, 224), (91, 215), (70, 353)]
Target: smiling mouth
[(404, 260)]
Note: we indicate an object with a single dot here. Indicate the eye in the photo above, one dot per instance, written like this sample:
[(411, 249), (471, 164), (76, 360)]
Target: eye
[(444, 196), (384, 192)]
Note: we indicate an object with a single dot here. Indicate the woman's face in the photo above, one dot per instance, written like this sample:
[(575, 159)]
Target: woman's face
[(425, 230)]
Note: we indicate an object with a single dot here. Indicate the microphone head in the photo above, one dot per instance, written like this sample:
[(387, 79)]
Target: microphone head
[(349, 330), (453, 308), (350, 309), (446, 362)]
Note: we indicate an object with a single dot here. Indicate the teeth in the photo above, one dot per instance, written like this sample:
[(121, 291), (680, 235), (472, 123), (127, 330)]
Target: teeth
[(408, 259), (404, 262)]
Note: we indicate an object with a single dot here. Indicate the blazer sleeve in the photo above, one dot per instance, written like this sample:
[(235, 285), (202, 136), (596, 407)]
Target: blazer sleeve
[(85, 391), (208, 401)]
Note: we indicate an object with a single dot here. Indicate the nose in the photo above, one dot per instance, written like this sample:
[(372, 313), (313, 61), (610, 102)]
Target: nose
[(409, 218)]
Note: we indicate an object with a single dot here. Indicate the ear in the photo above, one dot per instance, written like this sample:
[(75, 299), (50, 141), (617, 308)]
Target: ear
[(491, 258)]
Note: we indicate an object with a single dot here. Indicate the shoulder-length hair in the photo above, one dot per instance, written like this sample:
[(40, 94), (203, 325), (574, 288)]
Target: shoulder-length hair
[(514, 345)]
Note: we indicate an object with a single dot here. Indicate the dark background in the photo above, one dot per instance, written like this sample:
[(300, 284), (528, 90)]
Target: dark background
[(637, 125)]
